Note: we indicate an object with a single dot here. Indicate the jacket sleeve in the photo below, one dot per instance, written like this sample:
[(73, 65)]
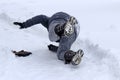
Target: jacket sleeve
[(36, 20)]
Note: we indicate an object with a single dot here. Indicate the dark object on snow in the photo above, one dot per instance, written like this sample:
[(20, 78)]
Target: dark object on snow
[(22, 53), (20, 24), (53, 48)]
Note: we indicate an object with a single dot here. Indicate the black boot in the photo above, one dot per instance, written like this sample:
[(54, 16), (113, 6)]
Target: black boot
[(20, 24), (52, 47), (68, 56), (73, 57)]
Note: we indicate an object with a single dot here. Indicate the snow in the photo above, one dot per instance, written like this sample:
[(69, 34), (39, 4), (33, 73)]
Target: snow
[(99, 38)]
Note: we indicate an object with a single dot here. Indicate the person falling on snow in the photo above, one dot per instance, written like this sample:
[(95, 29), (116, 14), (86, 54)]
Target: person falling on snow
[(62, 28)]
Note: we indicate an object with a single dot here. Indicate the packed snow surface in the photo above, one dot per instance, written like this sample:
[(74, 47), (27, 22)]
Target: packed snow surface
[(99, 38)]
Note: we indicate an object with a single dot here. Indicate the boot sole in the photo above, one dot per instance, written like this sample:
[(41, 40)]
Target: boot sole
[(77, 58)]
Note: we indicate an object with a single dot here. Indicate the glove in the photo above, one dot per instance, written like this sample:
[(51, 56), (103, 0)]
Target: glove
[(53, 48), (69, 29), (69, 26), (20, 24), (22, 53), (59, 30)]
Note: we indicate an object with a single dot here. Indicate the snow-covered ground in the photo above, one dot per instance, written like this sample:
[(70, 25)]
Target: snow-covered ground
[(99, 38)]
